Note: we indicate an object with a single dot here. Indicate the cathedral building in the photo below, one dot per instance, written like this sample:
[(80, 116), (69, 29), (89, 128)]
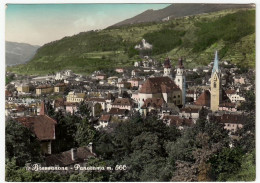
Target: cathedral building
[(215, 85), (160, 87)]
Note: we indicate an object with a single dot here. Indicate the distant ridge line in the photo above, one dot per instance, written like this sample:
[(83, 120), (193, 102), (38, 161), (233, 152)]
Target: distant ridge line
[(177, 10)]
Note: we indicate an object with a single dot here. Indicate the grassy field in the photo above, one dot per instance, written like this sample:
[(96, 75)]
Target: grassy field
[(194, 38)]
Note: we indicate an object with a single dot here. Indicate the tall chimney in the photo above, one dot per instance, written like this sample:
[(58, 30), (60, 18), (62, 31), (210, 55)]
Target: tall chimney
[(74, 154)]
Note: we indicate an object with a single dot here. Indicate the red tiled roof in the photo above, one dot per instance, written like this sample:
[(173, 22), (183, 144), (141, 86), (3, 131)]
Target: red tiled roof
[(96, 99), (153, 102), (61, 84), (21, 108), (59, 102), (230, 91), (105, 117), (232, 118), (65, 159), (8, 93), (204, 99), (43, 126), (159, 85), (117, 111), (43, 86), (122, 101)]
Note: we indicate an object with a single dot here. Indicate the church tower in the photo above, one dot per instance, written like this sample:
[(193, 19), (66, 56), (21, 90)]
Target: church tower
[(180, 80), (215, 85), (167, 71)]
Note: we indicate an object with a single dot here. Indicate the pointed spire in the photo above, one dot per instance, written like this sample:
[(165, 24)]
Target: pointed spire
[(167, 63), (181, 63), (215, 67)]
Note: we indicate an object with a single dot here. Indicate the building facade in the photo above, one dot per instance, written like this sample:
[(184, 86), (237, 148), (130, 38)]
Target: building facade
[(75, 97)]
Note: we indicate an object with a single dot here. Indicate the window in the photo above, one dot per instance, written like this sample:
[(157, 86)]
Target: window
[(178, 80), (215, 84)]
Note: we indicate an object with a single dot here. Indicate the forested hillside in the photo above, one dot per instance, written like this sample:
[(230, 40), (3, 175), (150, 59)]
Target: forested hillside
[(195, 38)]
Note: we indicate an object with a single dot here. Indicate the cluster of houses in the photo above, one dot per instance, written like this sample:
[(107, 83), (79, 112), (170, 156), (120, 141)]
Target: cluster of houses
[(149, 87)]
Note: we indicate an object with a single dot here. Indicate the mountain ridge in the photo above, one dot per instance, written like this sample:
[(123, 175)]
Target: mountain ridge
[(177, 10), (194, 38), (19, 53)]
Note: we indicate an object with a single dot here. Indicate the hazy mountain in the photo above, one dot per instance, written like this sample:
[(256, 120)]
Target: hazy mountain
[(179, 10), (18, 53)]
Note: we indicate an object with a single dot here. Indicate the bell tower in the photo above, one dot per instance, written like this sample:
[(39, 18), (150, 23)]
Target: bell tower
[(167, 71), (215, 85), (180, 80)]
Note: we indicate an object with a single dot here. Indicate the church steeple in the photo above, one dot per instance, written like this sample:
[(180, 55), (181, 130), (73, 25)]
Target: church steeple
[(215, 66), (167, 71), (215, 85), (180, 79)]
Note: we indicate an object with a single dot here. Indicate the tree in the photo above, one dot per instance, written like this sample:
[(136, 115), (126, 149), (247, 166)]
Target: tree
[(249, 103), (247, 172), (84, 109), (225, 162), (192, 151), (98, 109), (140, 144), (65, 131), (246, 134), (104, 145), (21, 144), (199, 169), (182, 148), (50, 110), (146, 162), (92, 176), (246, 140), (85, 133)]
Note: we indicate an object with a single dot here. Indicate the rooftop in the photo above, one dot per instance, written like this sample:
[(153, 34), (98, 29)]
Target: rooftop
[(159, 85), (65, 158)]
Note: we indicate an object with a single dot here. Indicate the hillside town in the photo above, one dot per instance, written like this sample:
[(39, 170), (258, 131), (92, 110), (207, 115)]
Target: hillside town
[(173, 93)]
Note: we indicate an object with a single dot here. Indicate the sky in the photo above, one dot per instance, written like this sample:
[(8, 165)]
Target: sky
[(38, 24)]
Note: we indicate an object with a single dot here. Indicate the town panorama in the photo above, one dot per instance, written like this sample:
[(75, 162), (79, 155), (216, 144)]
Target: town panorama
[(152, 120)]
